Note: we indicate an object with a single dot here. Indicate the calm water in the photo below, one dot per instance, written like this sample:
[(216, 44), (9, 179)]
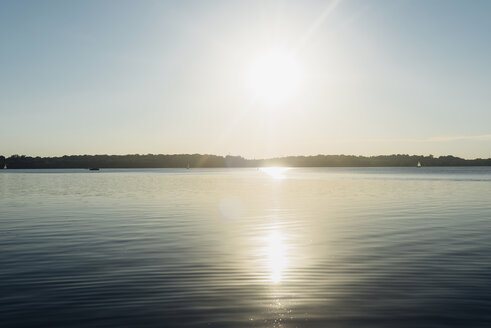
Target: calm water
[(330, 247)]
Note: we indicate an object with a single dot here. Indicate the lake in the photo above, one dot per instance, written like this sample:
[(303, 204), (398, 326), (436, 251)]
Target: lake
[(300, 247)]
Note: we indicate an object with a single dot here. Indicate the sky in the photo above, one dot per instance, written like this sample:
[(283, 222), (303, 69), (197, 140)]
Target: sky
[(252, 78)]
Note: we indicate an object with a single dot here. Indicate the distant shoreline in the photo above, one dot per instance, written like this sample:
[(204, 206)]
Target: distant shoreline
[(214, 161)]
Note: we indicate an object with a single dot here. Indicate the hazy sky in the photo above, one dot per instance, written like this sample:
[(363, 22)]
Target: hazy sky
[(362, 77)]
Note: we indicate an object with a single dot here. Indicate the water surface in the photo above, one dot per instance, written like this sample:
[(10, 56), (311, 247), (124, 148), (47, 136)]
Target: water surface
[(320, 247)]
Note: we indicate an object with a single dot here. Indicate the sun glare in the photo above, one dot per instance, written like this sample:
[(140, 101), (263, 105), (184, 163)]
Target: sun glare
[(274, 77)]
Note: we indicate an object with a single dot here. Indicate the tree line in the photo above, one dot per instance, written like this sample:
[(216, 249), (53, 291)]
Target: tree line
[(214, 161)]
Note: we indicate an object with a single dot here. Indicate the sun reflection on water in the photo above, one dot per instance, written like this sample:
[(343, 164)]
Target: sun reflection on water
[(276, 256), (275, 172)]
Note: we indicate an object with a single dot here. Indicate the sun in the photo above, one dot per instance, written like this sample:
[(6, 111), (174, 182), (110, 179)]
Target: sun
[(274, 77)]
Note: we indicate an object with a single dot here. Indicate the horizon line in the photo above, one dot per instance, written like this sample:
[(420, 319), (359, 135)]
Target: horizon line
[(243, 157)]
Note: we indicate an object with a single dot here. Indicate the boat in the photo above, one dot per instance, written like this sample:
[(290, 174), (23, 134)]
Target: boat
[(5, 166), (419, 164), (94, 169)]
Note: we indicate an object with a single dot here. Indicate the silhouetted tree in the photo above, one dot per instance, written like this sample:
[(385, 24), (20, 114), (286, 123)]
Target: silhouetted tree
[(210, 161)]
